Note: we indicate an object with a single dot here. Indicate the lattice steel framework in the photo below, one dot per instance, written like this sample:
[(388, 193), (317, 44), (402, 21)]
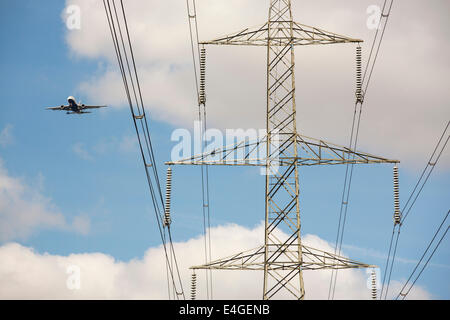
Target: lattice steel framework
[(282, 259)]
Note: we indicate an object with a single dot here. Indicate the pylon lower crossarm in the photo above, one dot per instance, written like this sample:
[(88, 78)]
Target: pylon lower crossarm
[(313, 259)]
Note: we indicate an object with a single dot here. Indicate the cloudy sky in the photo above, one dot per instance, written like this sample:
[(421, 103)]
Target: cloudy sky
[(73, 192)]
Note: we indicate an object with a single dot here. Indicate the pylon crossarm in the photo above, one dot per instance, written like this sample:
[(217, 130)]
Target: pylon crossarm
[(256, 36), (245, 260), (310, 152), (243, 153), (306, 35), (280, 36), (315, 259), (319, 152), (312, 259)]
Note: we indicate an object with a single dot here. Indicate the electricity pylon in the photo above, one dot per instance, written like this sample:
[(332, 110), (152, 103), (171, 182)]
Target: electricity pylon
[(283, 259)]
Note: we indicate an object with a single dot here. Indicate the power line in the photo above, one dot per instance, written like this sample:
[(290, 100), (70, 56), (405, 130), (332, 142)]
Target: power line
[(392, 264), (141, 127), (386, 16), (344, 203), (199, 56), (431, 164), (387, 263), (354, 138), (423, 255)]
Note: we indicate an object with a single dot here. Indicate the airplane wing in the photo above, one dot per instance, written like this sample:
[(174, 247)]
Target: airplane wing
[(56, 108), (92, 107)]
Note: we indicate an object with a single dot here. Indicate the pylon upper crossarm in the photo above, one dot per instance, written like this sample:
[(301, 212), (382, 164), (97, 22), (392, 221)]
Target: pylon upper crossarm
[(302, 35), (306, 35), (249, 36)]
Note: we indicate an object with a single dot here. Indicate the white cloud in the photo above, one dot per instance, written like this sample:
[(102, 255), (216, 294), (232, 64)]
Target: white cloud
[(124, 144), (25, 274), (80, 150), (6, 136), (24, 209), (128, 143), (407, 101), (81, 224)]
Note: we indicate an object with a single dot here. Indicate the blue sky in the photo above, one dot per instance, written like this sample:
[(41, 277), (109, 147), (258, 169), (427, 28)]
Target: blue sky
[(88, 166)]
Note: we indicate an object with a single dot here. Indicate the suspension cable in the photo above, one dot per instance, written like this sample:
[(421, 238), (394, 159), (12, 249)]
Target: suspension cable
[(431, 164), (385, 17), (360, 95), (199, 59), (423, 255), (344, 201), (141, 126), (392, 263), (397, 222), (387, 262)]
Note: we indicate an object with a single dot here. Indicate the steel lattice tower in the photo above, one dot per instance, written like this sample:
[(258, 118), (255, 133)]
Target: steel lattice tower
[(283, 260)]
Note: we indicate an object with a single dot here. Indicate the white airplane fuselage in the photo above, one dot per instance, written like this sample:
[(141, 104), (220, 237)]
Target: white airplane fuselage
[(74, 106)]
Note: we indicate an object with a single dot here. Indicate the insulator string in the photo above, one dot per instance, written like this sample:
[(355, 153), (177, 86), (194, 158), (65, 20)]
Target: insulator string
[(167, 217), (374, 285), (397, 217), (359, 91), (202, 95), (193, 286)]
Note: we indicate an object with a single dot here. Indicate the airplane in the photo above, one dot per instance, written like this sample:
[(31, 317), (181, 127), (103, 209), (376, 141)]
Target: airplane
[(73, 107)]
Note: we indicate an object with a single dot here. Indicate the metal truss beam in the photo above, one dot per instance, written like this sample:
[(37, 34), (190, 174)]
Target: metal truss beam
[(313, 259), (302, 35), (310, 152)]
